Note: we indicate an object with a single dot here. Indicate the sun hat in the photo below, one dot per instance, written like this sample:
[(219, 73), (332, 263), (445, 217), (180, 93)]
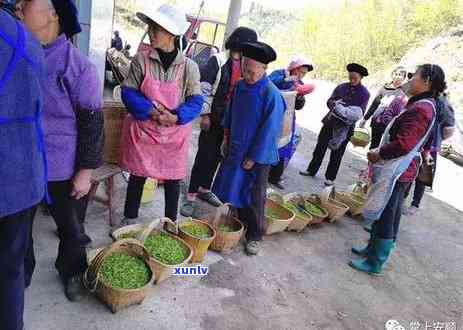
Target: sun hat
[(170, 18), (300, 61)]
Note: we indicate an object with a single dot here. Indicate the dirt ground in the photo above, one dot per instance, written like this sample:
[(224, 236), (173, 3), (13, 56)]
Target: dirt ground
[(299, 281)]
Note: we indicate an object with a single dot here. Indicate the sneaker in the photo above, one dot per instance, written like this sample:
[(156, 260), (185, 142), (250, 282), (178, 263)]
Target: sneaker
[(188, 209), (410, 211), (252, 248), (210, 198), (73, 288), (329, 183), (306, 173)]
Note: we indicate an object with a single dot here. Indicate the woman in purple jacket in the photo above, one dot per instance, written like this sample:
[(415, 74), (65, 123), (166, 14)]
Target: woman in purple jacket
[(73, 130)]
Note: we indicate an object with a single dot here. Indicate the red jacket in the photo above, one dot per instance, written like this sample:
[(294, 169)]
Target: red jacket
[(407, 131)]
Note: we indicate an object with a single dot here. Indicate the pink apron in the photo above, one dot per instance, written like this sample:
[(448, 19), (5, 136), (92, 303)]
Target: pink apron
[(148, 149)]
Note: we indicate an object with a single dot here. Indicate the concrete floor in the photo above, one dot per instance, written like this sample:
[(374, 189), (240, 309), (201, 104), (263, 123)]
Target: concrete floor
[(299, 281)]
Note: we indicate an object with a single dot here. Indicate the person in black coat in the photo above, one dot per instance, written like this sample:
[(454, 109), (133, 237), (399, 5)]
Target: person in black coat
[(218, 80)]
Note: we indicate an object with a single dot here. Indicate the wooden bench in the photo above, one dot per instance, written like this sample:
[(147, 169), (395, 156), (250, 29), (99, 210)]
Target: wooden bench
[(105, 174)]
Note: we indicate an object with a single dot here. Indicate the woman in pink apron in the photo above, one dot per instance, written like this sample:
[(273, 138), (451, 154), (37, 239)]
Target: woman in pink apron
[(162, 94)]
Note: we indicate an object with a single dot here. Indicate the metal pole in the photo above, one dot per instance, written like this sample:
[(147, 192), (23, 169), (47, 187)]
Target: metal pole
[(234, 13)]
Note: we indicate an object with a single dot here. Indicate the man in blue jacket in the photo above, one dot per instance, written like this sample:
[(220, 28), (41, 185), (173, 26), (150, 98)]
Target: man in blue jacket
[(252, 127), (22, 165)]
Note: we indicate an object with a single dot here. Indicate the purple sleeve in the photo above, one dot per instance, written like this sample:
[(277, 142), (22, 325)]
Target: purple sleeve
[(334, 96), (87, 92), (364, 100), (394, 109)]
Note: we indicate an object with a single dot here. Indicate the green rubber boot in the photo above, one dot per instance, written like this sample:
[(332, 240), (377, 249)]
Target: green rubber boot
[(379, 253), (368, 228), (363, 252)]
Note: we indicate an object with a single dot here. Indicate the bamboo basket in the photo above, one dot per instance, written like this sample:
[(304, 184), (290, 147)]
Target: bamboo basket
[(336, 209), (138, 228), (164, 271), (199, 245), (114, 114), (361, 137), (225, 242), (285, 217), (354, 201), (117, 299), (317, 219), (300, 222)]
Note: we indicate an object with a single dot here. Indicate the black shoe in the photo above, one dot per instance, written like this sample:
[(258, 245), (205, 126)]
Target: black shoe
[(210, 198), (73, 288), (306, 173), (278, 185)]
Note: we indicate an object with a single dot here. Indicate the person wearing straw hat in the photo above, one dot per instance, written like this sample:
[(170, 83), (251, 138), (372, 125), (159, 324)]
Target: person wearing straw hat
[(73, 133), (338, 124), (163, 96), (218, 80), (290, 79), (22, 155), (252, 126)]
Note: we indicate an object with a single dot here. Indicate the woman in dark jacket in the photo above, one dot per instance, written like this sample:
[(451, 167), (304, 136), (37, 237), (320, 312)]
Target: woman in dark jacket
[(395, 165)]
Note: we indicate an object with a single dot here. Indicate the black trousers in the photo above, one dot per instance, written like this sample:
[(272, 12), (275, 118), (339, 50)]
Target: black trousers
[(254, 215), (135, 191), (67, 213), (377, 132), (387, 227), (319, 153), (276, 172), (14, 242), (207, 158)]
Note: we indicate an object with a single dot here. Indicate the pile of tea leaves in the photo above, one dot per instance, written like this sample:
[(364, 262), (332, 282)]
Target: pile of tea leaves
[(122, 271), (196, 230), (166, 249)]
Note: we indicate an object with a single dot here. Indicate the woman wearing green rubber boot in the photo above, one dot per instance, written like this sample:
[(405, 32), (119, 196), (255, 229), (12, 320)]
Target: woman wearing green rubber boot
[(395, 165)]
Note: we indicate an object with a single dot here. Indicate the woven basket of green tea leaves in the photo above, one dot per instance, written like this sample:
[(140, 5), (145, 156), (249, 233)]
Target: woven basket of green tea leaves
[(120, 275)]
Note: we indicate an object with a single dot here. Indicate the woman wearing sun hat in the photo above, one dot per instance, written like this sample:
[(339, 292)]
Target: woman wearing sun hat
[(290, 79), (163, 96)]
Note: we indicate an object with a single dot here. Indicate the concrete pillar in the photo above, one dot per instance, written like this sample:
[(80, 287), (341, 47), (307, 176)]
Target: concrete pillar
[(96, 18), (234, 13)]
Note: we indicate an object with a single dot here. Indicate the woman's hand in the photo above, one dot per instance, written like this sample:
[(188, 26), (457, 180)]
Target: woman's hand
[(205, 123), (248, 164), (166, 118), (154, 115), (373, 156), (428, 159), (81, 183)]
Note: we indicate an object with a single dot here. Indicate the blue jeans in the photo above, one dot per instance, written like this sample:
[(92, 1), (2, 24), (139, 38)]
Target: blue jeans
[(388, 224)]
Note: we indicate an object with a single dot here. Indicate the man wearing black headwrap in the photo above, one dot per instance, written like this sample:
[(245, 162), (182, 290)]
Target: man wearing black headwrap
[(338, 128), (218, 80)]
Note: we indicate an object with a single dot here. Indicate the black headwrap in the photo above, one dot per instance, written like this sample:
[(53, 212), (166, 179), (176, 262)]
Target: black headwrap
[(68, 17)]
